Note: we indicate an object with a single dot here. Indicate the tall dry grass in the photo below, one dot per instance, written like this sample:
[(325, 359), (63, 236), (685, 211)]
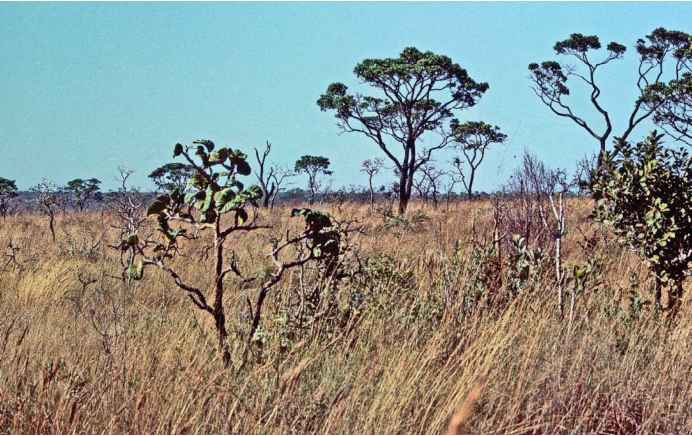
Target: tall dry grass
[(105, 358)]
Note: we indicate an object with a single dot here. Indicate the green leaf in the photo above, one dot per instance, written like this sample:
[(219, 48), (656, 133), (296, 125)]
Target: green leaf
[(242, 216), (132, 240), (136, 270), (177, 150), (223, 198), (254, 192), (208, 199), (219, 156), (158, 205), (209, 145), (243, 167)]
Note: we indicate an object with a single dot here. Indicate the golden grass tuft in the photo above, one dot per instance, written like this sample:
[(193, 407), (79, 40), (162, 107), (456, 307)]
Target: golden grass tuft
[(434, 316)]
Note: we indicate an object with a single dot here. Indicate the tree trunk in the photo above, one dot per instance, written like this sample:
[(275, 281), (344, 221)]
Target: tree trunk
[(674, 297), (403, 202), (220, 319), (51, 227), (265, 198), (469, 188), (404, 190), (372, 196), (657, 290), (219, 313), (558, 276)]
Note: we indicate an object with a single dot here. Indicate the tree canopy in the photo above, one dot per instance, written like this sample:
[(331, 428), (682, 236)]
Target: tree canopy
[(172, 176), (313, 166), (418, 93), (473, 139), (551, 79), (83, 190)]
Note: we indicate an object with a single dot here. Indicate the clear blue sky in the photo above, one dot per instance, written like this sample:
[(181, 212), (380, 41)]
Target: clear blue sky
[(87, 87)]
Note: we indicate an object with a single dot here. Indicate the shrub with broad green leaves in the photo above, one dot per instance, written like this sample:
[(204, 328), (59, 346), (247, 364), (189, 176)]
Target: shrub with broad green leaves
[(215, 200), (643, 192)]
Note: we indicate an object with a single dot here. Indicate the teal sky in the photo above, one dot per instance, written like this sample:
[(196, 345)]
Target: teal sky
[(87, 87)]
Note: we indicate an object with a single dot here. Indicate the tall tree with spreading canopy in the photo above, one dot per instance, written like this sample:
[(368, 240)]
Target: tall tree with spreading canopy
[(473, 139), (83, 191), (418, 94), (172, 176), (550, 79), (313, 167), (8, 191)]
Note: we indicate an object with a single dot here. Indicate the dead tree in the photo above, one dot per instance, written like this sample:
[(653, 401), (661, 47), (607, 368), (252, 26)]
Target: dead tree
[(127, 205), (265, 175)]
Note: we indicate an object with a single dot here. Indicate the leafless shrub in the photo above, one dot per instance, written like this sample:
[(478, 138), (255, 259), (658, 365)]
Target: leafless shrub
[(536, 211)]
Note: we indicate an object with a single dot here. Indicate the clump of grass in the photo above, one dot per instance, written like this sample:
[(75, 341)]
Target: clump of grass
[(403, 358)]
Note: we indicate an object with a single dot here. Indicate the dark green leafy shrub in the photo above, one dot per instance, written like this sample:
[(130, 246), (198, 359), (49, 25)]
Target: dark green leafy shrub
[(644, 193), (525, 264)]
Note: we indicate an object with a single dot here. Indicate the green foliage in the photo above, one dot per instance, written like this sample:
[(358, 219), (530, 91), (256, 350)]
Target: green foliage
[(416, 93), (313, 166), (412, 66), (83, 191), (212, 188), (172, 176), (476, 134), (581, 44), (8, 187), (672, 103), (550, 78), (323, 239), (661, 42), (645, 195), (8, 191), (525, 264), (309, 163)]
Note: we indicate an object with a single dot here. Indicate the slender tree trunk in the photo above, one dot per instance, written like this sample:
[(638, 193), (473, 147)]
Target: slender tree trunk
[(657, 290), (51, 220), (469, 188), (372, 195), (558, 276), (265, 197), (674, 297), (403, 193), (312, 184), (601, 154), (219, 313)]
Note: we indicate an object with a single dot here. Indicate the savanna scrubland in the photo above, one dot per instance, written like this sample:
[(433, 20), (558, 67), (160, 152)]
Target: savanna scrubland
[(431, 308), (555, 305)]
